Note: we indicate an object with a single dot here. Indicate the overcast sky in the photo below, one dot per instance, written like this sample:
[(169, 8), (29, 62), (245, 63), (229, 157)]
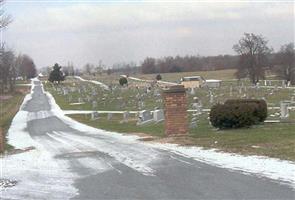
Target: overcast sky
[(81, 32)]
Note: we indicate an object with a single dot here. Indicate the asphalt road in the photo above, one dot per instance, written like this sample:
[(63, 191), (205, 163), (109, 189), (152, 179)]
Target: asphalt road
[(110, 168)]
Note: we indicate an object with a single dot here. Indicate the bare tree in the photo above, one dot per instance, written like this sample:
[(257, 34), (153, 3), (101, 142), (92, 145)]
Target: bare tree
[(4, 18), (286, 63), (253, 52), (89, 68), (7, 70)]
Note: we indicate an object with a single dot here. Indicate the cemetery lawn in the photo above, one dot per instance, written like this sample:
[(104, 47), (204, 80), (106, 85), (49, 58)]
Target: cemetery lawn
[(273, 140), (270, 139), (115, 125), (9, 107)]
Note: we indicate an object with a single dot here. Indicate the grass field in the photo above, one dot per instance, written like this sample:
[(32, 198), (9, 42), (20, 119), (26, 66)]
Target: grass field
[(174, 77), (9, 107), (274, 140)]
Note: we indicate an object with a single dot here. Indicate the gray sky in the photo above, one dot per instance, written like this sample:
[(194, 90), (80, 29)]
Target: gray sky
[(89, 31)]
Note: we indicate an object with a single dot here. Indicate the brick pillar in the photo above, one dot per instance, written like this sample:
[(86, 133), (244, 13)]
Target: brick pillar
[(175, 106)]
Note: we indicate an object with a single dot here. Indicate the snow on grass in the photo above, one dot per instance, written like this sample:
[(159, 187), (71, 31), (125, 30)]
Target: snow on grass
[(104, 86), (37, 173), (127, 149), (259, 165), (276, 169)]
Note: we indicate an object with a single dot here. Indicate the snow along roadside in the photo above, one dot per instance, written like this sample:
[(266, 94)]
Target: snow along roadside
[(261, 166), (36, 170), (104, 86)]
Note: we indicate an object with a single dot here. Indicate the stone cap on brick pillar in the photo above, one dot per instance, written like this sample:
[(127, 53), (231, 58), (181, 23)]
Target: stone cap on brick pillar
[(175, 89)]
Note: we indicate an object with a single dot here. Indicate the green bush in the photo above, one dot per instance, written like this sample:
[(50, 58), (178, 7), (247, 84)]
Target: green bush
[(233, 115), (158, 77), (123, 81), (261, 106)]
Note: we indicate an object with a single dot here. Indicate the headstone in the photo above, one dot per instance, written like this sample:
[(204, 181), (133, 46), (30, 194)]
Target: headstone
[(265, 83), (240, 90), (211, 99), (193, 123), (94, 115), (70, 98), (284, 109), (144, 117), (2, 141), (193, 91), (158, 115), (65, 91), (94, 104), (230, 90), (110, 116), (79, 100), (125, 116), (283, 84)]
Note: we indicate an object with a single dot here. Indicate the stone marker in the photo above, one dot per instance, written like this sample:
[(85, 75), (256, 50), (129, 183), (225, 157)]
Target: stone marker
[(158, 115), (231, 90), (110, 116), (284, 109), (125, 116), (144, 117), (211, 99), (94, 104), (65, 91), (94, 115), (2, 141), (193, 91), (175, 106)]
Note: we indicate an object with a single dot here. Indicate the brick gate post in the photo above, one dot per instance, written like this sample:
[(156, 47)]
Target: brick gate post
[(175, 110)]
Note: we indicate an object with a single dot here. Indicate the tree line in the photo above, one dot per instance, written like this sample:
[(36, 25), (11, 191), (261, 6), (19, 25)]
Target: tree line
[(12, 67), (188, 63), (254, 57)]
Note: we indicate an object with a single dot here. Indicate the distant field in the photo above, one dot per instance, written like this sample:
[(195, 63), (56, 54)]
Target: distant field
[(174, 77), (220, 74)]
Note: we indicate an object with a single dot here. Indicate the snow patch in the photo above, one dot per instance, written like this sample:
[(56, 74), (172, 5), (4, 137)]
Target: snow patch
[(277, 169), (259, 165), (104, 86), (37, 173)]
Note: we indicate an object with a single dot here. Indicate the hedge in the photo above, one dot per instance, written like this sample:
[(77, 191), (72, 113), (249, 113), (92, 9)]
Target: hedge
[(234, 115), (260, 111)]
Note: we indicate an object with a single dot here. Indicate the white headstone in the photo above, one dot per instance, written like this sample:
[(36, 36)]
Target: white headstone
[(125, 116), (144, 117), (94, 104), (193, 91), (158, 115), (284, 110), (110, 116)]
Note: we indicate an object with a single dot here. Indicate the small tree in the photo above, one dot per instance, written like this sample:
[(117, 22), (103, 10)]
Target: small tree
[(123, 81), (286, 62), (158, 77), (56, 75), (254, 52), (109, 71)]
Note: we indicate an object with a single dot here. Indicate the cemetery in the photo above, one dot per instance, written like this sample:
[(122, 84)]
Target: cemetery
[(138, 108)]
